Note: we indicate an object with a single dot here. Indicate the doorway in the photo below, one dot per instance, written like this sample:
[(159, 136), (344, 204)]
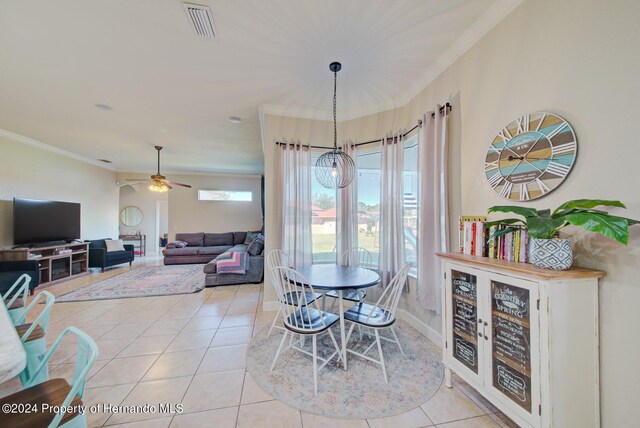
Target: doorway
[(162, 225)]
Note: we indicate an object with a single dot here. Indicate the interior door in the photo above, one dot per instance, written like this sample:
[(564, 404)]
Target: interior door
[(512, 351), (463, 297)]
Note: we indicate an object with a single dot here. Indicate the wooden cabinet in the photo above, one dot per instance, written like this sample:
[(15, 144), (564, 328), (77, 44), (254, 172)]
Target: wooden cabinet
[(57, 262), (525, 338)]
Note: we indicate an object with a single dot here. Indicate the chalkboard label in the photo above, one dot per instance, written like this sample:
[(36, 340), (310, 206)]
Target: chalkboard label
[(465, 318), (511, 342)]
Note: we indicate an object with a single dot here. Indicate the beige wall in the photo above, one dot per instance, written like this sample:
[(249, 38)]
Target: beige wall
[(576, 58), (30, 172), (140, 196), (188, 214)]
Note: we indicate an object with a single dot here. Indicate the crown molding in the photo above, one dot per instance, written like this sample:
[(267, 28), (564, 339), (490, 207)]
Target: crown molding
[(487, 21), (52, 149)]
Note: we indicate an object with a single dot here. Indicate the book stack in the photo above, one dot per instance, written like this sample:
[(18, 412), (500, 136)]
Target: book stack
[(476, 239)]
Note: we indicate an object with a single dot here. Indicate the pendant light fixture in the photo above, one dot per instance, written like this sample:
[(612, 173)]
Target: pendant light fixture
[(335, 169)]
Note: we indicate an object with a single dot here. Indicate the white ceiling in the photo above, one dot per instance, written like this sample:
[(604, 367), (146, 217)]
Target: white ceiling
[(168, 87)]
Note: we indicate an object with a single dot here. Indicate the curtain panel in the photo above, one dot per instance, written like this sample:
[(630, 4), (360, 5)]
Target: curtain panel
[(348, 210), (433, 206), (392, 251), (295, 177)]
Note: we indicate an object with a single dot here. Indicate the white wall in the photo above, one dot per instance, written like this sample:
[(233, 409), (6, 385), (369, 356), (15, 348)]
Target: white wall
[(30, 172), (188, 214), (576, 58)]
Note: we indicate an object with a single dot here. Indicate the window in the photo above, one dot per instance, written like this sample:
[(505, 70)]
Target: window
[(369, 176), (225, 195), (323, 217)]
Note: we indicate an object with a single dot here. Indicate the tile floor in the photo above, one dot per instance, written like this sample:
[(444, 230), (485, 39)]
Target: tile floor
[(190, 349)]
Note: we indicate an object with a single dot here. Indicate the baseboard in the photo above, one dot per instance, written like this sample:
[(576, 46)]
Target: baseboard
[(429, 332)]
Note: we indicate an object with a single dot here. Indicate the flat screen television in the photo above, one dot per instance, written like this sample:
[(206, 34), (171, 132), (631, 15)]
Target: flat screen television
[(36, 221)]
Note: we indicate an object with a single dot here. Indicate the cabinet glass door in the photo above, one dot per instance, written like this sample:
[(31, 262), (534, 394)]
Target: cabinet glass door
[(464, 310), (514, 342)]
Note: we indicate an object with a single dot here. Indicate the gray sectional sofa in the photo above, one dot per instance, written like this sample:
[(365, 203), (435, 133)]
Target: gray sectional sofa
[(207, 247)]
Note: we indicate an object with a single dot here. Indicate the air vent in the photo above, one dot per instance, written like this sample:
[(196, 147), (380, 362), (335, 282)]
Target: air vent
[(105, 160), (201, 20)]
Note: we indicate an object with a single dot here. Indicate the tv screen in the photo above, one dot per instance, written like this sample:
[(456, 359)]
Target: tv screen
[(36, 221)]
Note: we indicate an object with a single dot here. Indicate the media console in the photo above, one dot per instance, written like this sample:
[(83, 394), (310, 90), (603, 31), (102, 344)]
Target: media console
[(57, 262)]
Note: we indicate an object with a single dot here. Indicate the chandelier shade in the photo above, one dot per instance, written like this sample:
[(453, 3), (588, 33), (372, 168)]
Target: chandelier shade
[(335, 169)]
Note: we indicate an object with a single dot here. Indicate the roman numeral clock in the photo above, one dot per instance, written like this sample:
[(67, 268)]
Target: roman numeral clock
[(531, 156)]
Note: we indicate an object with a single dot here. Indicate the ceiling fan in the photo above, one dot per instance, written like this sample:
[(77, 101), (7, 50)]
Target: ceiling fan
[(158, 182)]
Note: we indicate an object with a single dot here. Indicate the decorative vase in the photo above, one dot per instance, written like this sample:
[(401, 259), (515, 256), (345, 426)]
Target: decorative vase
[(556, 254)]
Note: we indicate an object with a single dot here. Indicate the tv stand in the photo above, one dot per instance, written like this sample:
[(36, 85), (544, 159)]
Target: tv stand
[(58, 262)]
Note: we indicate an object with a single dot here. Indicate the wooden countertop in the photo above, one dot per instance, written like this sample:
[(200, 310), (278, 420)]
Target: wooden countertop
[(523, 268)]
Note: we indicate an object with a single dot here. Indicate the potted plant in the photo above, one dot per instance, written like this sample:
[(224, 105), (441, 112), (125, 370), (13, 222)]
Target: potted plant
[(546, 249)]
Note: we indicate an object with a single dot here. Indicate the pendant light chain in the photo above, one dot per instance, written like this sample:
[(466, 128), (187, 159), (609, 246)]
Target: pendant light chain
[(335, 126)]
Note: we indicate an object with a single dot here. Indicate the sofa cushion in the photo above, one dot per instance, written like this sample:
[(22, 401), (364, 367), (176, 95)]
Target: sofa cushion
[(250, 237), (118, 255), (114, 245), (214, 250), (187, 251), (239, 237), (192, 239), (213, 239), (256, 247), (210, 267)]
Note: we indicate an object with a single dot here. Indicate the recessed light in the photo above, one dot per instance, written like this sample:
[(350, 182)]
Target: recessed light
[(235, 119), (104, 107)]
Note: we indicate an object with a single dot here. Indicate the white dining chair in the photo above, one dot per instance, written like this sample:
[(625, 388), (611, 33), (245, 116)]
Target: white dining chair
[(277, 258), (379, 316), (305, 318), (358, 257)]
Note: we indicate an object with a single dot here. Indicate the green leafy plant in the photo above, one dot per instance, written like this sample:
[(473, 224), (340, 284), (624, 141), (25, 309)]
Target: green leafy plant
[(544, 224)]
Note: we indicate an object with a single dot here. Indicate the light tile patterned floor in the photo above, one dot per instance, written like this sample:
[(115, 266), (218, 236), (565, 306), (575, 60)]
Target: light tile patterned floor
[(190, 349)]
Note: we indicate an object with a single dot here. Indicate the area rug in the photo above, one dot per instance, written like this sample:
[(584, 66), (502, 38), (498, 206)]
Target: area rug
[(358, 393), (142, 282)]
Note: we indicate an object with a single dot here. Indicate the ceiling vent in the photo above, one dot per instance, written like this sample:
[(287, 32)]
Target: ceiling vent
[(201, 20)]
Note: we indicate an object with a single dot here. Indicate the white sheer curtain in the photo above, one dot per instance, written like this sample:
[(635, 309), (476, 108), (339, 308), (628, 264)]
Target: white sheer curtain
[(433, 206), (348, 209), (392, 255), (295, 176)]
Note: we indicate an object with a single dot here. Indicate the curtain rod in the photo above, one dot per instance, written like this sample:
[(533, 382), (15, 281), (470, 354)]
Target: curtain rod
[(447, 106)]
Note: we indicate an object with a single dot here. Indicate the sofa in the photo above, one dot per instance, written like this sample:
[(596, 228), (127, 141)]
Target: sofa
[(201, 247), (99, 257), (208, 248), (10, 271)]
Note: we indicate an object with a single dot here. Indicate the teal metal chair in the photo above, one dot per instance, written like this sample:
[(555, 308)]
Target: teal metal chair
[(16, 297), (54, 392), (33, 338)]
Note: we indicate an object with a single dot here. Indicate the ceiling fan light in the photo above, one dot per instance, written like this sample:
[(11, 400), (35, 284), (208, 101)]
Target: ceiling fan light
[(158, 187)]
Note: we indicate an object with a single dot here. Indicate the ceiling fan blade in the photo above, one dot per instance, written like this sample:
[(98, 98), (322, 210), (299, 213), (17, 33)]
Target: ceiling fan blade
[(180, 184)]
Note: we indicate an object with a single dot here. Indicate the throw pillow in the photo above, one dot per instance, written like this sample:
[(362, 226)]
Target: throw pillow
[(256, 247), (250, 237), (176, 244), (114, 245)]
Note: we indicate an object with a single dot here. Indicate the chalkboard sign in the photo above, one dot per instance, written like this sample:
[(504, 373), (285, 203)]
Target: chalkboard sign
[(510, 308), (465, 318)]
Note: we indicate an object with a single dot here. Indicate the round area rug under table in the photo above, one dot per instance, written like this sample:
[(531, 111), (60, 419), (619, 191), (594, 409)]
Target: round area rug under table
[(358, 393)]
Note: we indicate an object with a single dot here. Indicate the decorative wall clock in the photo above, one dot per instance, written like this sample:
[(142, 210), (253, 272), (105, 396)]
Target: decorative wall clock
[(531, 156)]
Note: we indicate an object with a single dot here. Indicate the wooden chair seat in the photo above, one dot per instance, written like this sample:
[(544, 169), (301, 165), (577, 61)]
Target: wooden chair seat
[(51, 392), (37, 333), (19, 303)]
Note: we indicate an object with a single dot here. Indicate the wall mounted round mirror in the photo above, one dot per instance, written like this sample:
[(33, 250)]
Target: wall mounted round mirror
[(131, 216)]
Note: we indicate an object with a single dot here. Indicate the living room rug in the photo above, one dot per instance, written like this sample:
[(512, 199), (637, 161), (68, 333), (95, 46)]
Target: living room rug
[(358, 393), (142, 282)]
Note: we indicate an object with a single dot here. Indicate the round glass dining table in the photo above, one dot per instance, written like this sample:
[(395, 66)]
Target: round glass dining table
[(332, 277)]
